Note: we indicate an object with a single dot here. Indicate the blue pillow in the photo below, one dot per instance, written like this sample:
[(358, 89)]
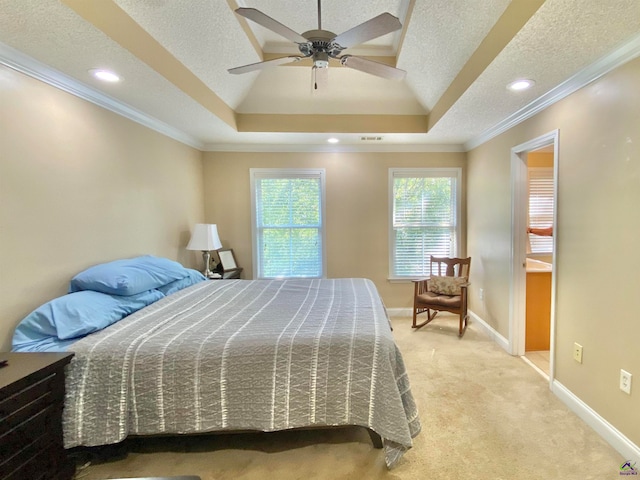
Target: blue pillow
[(77, 314), (129, 276), (192, 278)]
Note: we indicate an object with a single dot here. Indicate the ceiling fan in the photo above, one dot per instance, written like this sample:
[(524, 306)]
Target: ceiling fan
[(320, 45)]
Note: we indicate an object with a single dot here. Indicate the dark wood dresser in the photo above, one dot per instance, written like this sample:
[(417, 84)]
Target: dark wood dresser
[(31, 402)]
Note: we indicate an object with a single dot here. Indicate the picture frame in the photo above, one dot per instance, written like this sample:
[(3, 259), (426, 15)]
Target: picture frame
[(227, 260)]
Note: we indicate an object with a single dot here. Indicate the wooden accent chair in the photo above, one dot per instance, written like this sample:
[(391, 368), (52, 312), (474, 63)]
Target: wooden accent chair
[(445, 290)]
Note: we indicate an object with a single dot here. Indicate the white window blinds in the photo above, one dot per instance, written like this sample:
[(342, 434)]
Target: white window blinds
[(540, 207), (288, 231), (425, 218)]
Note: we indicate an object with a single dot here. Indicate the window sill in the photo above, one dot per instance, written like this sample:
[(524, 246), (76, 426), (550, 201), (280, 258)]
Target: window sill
[(401, 280)]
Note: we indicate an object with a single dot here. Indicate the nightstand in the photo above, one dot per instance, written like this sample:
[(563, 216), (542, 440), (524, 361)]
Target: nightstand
[(228, 274), (233, 273), (31, 403)]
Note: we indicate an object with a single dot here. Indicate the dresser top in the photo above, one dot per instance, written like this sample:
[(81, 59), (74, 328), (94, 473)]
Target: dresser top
[(23, 364)]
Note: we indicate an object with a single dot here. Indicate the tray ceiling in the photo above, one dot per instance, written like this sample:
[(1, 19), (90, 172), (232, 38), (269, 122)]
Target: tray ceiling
[(459, 56)]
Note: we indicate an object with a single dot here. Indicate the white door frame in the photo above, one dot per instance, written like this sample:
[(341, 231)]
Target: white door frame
[(517, 298)]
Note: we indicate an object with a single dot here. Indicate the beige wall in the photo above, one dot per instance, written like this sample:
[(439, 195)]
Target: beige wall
[(357, 208), (80, 185), (597, 238)]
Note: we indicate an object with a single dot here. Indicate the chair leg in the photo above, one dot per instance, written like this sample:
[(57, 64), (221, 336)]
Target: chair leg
[(415, 319), (463, 320)]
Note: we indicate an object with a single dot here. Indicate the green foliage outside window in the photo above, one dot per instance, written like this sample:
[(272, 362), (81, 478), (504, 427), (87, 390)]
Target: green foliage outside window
[(289, 225), (424, 222)]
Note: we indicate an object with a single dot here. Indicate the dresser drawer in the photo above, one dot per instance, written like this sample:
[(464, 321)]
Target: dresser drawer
[(28, 402), (31, 404), (47, 463), (42, 429)]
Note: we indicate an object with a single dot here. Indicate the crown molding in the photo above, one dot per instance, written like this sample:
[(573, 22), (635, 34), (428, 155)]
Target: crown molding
[(27, 65), (619, 56), (310, 148)]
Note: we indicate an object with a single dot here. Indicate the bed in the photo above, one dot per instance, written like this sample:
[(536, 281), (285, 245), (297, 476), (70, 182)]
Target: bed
[(238, 355)]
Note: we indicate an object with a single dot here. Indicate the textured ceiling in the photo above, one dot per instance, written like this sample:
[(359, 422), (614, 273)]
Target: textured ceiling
[(459, 56)]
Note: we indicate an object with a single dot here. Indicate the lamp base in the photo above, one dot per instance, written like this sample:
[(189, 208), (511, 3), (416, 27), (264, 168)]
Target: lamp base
[(206, 256)]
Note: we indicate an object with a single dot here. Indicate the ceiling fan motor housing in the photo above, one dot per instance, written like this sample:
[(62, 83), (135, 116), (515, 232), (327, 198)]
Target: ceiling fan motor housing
[(320, 47)]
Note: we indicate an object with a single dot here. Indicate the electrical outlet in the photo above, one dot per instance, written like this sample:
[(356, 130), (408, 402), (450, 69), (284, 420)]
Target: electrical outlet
[(625, 381), (577, 352), (481, 294)]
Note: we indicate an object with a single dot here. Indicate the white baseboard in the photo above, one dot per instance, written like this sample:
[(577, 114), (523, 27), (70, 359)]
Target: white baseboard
[(492, 332), (400, 312), (624, 446), (408, 312)]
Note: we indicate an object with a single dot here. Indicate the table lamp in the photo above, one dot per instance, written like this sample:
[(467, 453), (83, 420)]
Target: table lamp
[(205, 238)]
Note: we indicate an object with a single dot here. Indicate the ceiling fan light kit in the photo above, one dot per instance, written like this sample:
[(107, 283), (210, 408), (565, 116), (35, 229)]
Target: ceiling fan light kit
[(321, 59), (321, 45)]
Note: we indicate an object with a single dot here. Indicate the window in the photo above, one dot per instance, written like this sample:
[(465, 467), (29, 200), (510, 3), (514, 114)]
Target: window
[(425, 214), (540, 207), (288, 223)]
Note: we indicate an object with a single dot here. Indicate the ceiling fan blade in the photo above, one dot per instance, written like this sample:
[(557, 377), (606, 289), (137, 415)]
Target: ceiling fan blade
[(260, 65), (374, 68), (267, 22), (374, 28)]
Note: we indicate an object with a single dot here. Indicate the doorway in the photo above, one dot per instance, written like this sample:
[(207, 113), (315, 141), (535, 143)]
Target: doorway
[(533, 273)]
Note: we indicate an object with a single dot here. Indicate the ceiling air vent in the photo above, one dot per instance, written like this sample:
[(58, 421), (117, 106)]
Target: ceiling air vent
[(370, 139)]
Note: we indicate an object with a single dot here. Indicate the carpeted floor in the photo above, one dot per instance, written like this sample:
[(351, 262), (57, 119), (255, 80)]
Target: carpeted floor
[(485, 415)]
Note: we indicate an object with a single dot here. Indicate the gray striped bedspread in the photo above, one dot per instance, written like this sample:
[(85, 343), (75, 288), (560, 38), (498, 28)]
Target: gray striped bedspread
[(244, 355)]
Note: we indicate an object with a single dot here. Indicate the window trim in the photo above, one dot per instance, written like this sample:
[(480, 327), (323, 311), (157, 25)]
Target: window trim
[(260, 173), (453, 172)]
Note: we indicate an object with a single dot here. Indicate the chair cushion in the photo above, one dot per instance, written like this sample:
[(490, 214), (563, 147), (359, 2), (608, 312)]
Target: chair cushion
[(435, 299), (444, 285)]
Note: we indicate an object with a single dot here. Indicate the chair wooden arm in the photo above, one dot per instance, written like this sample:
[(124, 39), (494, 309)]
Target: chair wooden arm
[(420, 279), (420, 286)]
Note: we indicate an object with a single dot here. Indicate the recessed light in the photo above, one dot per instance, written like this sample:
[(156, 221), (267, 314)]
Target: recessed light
[(333, 140), (104, 75), (521, 84)]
